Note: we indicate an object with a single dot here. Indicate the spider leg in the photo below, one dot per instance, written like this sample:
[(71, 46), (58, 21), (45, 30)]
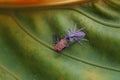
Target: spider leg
[(78, 40), (68, 31), (71, 39), (74, 28), (84, 39), (80, 29), (71, 30), (80, 43)]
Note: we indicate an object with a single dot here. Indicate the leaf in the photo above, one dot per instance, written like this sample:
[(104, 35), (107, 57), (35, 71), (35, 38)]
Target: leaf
[(27, 51)]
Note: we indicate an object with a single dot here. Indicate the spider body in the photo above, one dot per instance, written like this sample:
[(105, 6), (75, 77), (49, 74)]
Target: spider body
[(74, 35)]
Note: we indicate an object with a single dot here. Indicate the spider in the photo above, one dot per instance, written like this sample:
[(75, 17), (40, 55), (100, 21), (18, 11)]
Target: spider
[(74, 35)]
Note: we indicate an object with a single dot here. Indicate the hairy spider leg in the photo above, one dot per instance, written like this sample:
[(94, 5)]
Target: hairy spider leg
[(78, 40), (68, 31), (84, 39), (80, 29), (75, 27)]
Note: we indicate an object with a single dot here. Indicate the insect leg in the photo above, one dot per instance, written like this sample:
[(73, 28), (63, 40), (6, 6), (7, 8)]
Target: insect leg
[(56, 38)]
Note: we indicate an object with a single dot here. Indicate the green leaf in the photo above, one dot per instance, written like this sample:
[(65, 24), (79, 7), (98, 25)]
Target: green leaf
[(27, 50)]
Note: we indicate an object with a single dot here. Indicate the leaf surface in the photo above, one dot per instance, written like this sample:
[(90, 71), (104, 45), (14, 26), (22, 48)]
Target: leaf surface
[(27, 50)]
